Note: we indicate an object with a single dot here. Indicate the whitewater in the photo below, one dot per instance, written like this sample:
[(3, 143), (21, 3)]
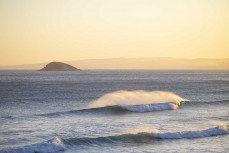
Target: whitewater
[(114, 111)]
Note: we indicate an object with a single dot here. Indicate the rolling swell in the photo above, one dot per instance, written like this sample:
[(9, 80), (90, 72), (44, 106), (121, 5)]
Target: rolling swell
[(57, 144)]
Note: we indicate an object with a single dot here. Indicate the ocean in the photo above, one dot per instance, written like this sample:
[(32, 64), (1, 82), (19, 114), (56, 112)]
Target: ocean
[(114, 111)]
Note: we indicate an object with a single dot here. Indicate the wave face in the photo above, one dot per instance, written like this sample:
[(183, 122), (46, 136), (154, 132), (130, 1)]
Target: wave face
[(137, 97), (56, 144)]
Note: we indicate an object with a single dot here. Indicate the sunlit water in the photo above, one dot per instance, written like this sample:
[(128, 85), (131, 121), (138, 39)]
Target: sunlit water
[(51, 111)]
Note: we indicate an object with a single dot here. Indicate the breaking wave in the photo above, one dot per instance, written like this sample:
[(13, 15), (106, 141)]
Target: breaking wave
[(57, 144), (119, 109), (143, 137), (137, 97), (136, 108), (139, 100), (123, 109), (131, 101)]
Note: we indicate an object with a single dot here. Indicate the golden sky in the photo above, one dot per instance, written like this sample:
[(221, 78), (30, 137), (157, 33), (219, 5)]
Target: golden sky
[(34, 31)]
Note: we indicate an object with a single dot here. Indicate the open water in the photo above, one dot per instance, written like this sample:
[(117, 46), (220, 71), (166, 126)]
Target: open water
[(114, 111)]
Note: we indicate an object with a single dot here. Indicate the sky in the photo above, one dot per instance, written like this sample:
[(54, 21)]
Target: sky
[(35, 31)]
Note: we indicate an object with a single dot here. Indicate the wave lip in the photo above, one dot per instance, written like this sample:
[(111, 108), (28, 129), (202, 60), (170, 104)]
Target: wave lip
[(51, 146)]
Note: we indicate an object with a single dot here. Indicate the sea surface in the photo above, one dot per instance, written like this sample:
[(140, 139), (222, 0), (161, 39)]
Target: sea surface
[(114, 111)]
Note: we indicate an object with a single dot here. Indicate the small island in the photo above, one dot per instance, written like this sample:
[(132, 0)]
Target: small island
[(58, 66)]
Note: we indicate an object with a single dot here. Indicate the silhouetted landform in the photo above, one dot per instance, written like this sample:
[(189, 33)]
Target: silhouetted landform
[(138, 64), (58, 66)]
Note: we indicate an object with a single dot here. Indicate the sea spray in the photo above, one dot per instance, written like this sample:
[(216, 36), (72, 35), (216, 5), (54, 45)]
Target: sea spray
[(138, 97)]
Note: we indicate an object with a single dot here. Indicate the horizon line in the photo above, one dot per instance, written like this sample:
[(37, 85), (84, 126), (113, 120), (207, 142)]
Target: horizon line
[(199, 58)]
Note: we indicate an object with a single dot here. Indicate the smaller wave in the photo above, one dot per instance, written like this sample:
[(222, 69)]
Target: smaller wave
[(147, 137), (51, 146), (57, 144)]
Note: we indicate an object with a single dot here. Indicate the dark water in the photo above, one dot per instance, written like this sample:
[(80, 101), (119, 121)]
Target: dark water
[(48, 112)]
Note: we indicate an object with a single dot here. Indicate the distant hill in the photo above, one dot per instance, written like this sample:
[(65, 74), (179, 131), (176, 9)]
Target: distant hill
[(140, 63), (58, 66)]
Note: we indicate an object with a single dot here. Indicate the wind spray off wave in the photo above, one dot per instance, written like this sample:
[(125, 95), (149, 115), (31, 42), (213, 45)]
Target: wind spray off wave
[(139, 100)]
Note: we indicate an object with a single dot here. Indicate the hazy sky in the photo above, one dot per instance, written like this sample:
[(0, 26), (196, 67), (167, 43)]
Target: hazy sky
[(33, 31)]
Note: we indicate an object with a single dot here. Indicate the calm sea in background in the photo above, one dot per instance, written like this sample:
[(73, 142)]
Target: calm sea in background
[(49, 112)]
